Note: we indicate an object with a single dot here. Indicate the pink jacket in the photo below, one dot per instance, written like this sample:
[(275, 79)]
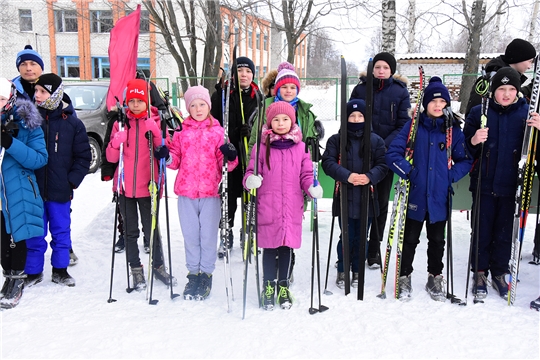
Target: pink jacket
[(195, 153), (136, 155), (280, 200)]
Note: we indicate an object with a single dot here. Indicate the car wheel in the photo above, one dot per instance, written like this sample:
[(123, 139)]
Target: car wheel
[(96, 155)]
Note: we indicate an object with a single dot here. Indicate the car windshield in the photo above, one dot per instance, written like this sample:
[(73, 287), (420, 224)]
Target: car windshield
[(86, 97)]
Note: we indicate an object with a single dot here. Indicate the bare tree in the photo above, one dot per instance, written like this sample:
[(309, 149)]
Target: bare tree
[(389, 26), (411, 17), (533, 22)]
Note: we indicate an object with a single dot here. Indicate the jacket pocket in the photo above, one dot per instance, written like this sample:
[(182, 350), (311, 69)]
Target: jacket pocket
[(33, 186)]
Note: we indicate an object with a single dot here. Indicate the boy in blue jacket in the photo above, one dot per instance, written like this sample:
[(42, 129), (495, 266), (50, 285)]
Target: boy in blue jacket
[(430, 178), (69, 161)]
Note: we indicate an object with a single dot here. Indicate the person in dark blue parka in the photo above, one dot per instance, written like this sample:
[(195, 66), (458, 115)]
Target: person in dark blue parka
[(69, 161), (502, 138), (391, 104), (430, 184), (23, 148), (352, 175)]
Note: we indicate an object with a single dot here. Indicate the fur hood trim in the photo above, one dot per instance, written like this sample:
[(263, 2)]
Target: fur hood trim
[(397, 77), (28, 114)]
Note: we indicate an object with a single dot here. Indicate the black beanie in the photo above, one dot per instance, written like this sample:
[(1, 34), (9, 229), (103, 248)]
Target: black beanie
[(388, 58), (243, 61), (50, 82), (505, 76), (517, 51), (435, 90)]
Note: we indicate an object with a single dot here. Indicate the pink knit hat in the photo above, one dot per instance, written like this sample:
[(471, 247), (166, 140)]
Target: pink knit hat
[(197, 92), (287, 75), (280, 107)]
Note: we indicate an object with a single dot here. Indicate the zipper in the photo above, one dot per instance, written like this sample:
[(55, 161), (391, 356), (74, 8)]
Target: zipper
[(33, 186), (392, 112), (56, 143), (136, 158)]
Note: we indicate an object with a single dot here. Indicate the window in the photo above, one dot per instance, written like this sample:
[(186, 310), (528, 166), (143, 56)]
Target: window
[(101, 21), (226, 32), (101, 68), (143, 64), (25, 20), (65, 20), (250, 38), (68, 66), (236, 33), (265, 69), (265, 45), (145, 20), (258, 41)]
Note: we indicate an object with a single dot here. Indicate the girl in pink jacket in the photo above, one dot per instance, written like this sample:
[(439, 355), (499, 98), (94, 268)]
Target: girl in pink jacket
[(134, 192), (197, 152), (287, 171)]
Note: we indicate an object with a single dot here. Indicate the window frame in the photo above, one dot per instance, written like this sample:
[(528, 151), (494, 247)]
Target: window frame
[(101, 21), (60, 23), (28, 18)]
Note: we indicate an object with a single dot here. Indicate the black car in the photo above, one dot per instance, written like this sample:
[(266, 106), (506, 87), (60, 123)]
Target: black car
[(89, 101)]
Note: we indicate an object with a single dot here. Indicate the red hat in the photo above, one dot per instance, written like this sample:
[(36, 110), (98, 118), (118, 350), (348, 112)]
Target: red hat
[(280, 107), (137, 89)]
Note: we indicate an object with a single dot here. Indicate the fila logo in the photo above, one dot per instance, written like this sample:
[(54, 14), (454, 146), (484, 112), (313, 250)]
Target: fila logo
[(505, 80), (137, 91)]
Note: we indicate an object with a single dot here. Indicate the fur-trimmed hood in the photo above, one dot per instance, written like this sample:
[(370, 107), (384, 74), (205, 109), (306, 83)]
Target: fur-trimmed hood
[(268, 80), (397, 77), (26, 114)]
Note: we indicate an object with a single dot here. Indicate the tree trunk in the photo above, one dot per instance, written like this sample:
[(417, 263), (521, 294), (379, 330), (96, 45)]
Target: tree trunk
[(389, 25), (411, 14), (213, 48), (532, 24)]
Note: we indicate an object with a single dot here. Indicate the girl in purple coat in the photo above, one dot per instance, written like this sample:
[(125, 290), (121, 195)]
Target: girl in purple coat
[(287, 171)]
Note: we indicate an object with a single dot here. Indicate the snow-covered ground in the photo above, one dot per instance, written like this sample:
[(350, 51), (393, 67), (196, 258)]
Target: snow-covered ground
[(55, 322)]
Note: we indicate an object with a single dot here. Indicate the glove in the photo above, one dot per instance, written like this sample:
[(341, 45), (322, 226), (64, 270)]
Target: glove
[(245, 131), (254, 182), (119, 138), (228, 150), (151, 126), (161, 152), (316, 192), (6, 139)]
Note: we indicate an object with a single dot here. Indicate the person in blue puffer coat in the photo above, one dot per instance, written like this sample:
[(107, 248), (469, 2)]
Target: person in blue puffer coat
[(23, 148), (391, 104), (502, 137), (69, 161), (431, 177)]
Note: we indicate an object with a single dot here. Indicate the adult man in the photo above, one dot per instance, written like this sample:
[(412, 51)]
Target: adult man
[(30, 66)]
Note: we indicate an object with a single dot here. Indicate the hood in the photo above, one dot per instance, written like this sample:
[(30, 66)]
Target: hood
[(28, 114)]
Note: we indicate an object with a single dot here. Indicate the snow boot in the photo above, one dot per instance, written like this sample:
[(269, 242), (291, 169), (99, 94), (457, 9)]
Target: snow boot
[(435, 287), (146, 246), (535, 304), (374, 261), (73, 259), (120, 246), (15, 289), (480, 285), (404, 287), (33, 279), (139, 283), (61, 276), (354, 282), (340, 280), (161, 274), (499, 283), (204, 288), (268, 295), (284, 298), (5, 287), (191, 286)]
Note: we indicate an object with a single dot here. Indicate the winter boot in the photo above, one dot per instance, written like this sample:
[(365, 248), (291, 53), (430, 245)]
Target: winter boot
[(146, 246), (340, 280), (73, 259), (7, 282), (268, 295), (535, 304), (480, 285), (205, 286), (354, 282), (434, 287), (33, 279), (160, 273), (191, 286), (404, 287), (284, 298), (120, 246), (61, 276), (499, 283), (14, 290), (374, 261), (139, 283)]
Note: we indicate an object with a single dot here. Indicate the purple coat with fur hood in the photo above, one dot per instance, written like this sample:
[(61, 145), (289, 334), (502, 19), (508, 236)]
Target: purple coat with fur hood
[(280, 206)]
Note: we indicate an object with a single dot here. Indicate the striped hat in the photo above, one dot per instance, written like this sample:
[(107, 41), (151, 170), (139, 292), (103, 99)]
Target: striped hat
[(286, 75)]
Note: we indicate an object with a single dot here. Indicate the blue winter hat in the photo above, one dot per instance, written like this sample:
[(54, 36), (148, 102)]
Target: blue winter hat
[(434, 90), (29, 54), (356, 105)]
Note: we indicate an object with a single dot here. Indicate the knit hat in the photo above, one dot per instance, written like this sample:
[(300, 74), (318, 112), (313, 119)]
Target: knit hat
[(52, 83), (5, 88), (287, 75), (517, 51), (243, 61), (387, 58), (434, 90), (505, 76), (28, 54), (137, 89), (197, 92), (280, 107), (356, 105)]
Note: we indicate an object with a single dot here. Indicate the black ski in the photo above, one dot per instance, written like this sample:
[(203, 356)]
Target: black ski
[(343, 155)]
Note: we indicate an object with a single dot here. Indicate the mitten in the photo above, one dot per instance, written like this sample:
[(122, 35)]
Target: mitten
[(245, 131), (229, 151), (6, 139), (161, 152), (316, 192), (151, 126), (254, 181), (119, 138)]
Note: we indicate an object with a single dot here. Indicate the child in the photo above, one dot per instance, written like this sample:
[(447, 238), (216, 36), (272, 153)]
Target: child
[(352, 176), (68, 164), (134, 192), (502, 138), (22, 207), (430, 182), (286, 168), (197, 152)]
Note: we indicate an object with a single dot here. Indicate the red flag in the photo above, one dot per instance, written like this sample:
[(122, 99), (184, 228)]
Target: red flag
[(123, 49)]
